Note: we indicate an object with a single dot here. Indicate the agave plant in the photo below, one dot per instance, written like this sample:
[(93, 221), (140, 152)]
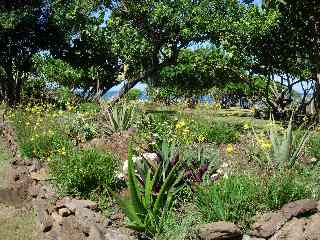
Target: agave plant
[(286, 147), (152, 191), (118, 118)]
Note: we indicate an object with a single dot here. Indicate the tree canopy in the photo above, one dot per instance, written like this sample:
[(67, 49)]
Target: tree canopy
[(188, 46)]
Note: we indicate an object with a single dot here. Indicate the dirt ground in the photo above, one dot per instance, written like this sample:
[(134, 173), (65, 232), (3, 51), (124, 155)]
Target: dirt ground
[(16, 223)]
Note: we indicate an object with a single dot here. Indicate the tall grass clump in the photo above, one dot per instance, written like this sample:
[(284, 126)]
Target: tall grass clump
[(81, 172)]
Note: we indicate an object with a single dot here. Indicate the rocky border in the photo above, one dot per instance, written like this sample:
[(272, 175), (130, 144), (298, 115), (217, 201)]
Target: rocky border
[(57, 219)]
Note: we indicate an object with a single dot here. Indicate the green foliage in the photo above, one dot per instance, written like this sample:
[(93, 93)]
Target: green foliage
[(313, 147), (218, 132), (287, 186), (81, 172), (38, 132), (286, 146), (34, 89), (238, 198), (81, 128), (43, 146), (152, 192), (133, 94), (118, 118), (180, 226), (63, 97), (88, 107), (235, 199), (223, 133)]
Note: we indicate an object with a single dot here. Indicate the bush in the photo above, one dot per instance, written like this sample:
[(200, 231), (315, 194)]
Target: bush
[(133, 94), (232, 199), (45, 145), (287, 186), (218, 132), (238, 198), (314, 146), (81, 172)]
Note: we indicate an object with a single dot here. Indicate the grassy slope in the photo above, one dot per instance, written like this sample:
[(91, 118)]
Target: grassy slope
[(14, 223)]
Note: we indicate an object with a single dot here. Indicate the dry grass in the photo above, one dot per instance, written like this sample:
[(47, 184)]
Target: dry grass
[(15, 224)]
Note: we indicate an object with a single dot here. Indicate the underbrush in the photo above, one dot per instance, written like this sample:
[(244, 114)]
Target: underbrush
[(205, 170), (84, 171), (238, 198), (53, 136)]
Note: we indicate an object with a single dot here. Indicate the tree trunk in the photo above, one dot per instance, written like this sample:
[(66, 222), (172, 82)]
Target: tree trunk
[(317, 92), (126, 88)]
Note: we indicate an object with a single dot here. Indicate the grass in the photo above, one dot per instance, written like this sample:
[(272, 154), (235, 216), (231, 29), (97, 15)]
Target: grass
[(14, 224), (4, 160), (238, 198)]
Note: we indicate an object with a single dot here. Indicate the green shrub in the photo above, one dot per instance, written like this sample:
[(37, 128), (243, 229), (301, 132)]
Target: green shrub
[(234, 199), (218, 132), (240, 197), (88, 107), (287, 186), (119, 118), (314, 146), (81, 172), (133, 94), (44, 145), (153, 188)]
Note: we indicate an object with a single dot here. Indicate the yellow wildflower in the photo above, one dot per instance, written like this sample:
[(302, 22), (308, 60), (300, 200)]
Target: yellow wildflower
[(201, 138), (229, 148), (180, 124), (246, 126)]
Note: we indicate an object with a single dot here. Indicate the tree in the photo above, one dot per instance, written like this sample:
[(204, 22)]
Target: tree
[(293, 47), (30, 27), (149, 36)]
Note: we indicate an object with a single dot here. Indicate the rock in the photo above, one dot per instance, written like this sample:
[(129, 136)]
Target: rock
[(57, 218), (44, 221), (95, 233), (247, 237), (312, 230), (64, 212), (34, 190), (219, 230), (116, 235), (298, 208), (153, 157), (35, 166), (41, 175), (293, 230), (76, 204), (268, 224)]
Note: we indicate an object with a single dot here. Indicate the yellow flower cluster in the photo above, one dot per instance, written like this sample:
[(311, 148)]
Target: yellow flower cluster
[(229, 148), (180, 125), (62, 151), (264, 143), (216, 106)]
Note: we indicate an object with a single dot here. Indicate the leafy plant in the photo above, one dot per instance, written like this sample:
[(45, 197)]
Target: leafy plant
[(314, 146), (238, 198), (234, 199), (152, 192), (118, 118), (81, 172), (286, 146), (287, 186), (133, 94), (218, 132)]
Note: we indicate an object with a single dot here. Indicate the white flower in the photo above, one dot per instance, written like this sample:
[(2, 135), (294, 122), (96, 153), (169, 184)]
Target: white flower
[(225, 165), (120, 175), (125, 167), (220, 171), (136, 159)]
